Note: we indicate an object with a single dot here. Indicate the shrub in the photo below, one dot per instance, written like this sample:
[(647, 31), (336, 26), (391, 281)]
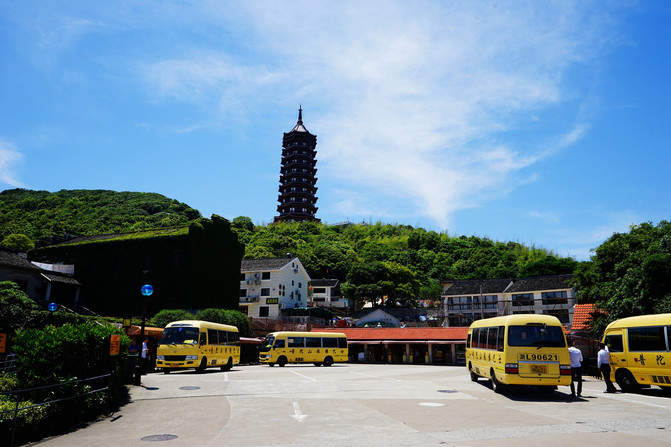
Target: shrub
[(227, 316), (162, 318), (63, 355)]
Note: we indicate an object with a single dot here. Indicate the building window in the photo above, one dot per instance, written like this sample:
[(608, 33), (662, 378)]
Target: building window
[(265, 291), (555, 297), (264, 311), (561, 314), (459, 303), (265, 275), (319, 290), (300, 285), (243, 293), (523, 299)]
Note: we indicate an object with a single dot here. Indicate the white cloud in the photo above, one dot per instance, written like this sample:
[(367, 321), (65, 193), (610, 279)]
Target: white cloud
[(417, 98), (9, 157)]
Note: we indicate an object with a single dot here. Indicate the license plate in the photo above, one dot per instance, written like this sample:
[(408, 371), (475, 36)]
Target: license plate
[(173, 364), (539, 369)]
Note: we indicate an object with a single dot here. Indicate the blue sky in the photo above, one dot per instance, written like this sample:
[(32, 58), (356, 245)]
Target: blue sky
[(546, 123)]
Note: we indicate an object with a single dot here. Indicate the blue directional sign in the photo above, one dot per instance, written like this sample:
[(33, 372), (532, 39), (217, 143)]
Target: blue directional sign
[(53, 307), (147, 290)]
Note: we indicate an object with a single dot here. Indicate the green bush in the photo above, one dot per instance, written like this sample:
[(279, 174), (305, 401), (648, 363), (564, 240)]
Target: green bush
[(64, 355), (28, 421), (226, 316), (162, 318)]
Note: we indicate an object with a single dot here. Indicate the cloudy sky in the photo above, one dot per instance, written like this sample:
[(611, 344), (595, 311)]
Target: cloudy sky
[(546, 123)]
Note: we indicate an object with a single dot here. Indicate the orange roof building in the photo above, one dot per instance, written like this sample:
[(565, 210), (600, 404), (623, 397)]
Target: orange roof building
[(423, 345)]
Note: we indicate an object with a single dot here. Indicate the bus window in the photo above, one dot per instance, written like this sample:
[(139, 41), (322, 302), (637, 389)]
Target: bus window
[(279, 344), (646, 339), (213, 337), (313, 342), (536, 336), (203, 338), (342, 342), (492, 336), (614, 342), (499, 340), (329, 342), (296, 342), (179, 335)]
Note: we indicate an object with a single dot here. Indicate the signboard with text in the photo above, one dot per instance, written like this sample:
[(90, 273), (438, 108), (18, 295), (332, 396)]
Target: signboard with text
[(115, 344)]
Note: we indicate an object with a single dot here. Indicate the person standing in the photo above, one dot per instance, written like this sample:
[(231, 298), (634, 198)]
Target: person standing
[(603, 362), (145, 356), (575, 355)]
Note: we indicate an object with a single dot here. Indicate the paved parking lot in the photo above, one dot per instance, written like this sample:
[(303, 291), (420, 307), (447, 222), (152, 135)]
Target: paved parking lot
[(369, 405)]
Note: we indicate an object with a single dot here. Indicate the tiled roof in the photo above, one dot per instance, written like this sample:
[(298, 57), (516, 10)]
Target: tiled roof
[(556, 282), (61, 279), (582, 315), (11, 259), (249, 265), (477, 286), (324, 282), (438, 334)]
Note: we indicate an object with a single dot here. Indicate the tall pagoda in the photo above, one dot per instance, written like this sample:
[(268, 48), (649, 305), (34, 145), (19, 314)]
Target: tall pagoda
[(298, 175)]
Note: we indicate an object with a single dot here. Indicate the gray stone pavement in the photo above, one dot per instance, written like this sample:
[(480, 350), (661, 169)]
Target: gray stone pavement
[(369, 405)]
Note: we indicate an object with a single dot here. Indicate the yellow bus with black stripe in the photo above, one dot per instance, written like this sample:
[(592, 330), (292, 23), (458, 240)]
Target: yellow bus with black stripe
[(640, 351), (198, 344), (523, 349), (319, 348)]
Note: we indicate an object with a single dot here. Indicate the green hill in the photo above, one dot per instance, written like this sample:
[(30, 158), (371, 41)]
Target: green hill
[(50, 215)]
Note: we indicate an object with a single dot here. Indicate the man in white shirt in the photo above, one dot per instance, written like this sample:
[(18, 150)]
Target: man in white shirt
[(576, 368), (603, 362)]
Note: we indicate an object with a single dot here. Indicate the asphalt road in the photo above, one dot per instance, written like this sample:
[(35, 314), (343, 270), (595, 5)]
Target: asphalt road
[(369, 405)]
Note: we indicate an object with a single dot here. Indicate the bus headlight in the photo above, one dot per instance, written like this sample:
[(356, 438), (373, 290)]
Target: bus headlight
[(160, 357), (191, 357)]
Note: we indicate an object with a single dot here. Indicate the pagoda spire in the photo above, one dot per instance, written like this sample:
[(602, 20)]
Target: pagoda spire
[(300, 114)]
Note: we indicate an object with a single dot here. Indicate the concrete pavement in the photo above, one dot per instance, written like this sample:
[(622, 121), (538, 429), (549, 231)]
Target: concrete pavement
[(369, 405)]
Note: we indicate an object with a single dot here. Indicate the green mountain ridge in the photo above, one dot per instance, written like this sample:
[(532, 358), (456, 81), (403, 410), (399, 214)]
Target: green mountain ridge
[(48, 215)]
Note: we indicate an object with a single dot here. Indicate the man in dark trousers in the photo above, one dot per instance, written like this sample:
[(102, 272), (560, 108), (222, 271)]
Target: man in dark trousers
[(603, 362), (576, 368)]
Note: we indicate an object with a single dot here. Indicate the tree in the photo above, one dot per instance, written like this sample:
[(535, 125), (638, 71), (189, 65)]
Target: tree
[(18, 242), (165, 316), (629, 274), (15, 306)]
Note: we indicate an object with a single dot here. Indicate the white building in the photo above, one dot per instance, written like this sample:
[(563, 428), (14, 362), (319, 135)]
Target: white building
[(269, 285), (469, 300), (326, 293)]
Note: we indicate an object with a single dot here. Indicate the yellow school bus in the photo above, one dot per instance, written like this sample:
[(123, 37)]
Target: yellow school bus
[(320, 348), (198, 344), (640, 353), (524, 349)]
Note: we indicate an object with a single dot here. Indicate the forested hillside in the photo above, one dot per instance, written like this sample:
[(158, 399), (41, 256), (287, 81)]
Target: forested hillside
[(43, 214), (400, 262)]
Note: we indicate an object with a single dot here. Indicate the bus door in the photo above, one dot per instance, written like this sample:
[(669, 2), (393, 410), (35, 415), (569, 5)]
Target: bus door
[(618, 358)]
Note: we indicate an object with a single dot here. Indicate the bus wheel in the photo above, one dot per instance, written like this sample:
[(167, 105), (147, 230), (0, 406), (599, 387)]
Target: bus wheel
[(227, 366), (474, 377), (626, 381), (496, 385), (271, 364), (282, 361), (202, 366), (328, 361)]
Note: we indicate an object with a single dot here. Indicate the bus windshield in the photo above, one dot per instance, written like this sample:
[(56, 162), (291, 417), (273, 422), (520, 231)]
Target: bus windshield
[(538, 336), (179, 335), (267, 344)]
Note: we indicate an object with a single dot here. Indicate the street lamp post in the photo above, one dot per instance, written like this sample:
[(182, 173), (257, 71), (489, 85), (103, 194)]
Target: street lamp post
[(146, 291)]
